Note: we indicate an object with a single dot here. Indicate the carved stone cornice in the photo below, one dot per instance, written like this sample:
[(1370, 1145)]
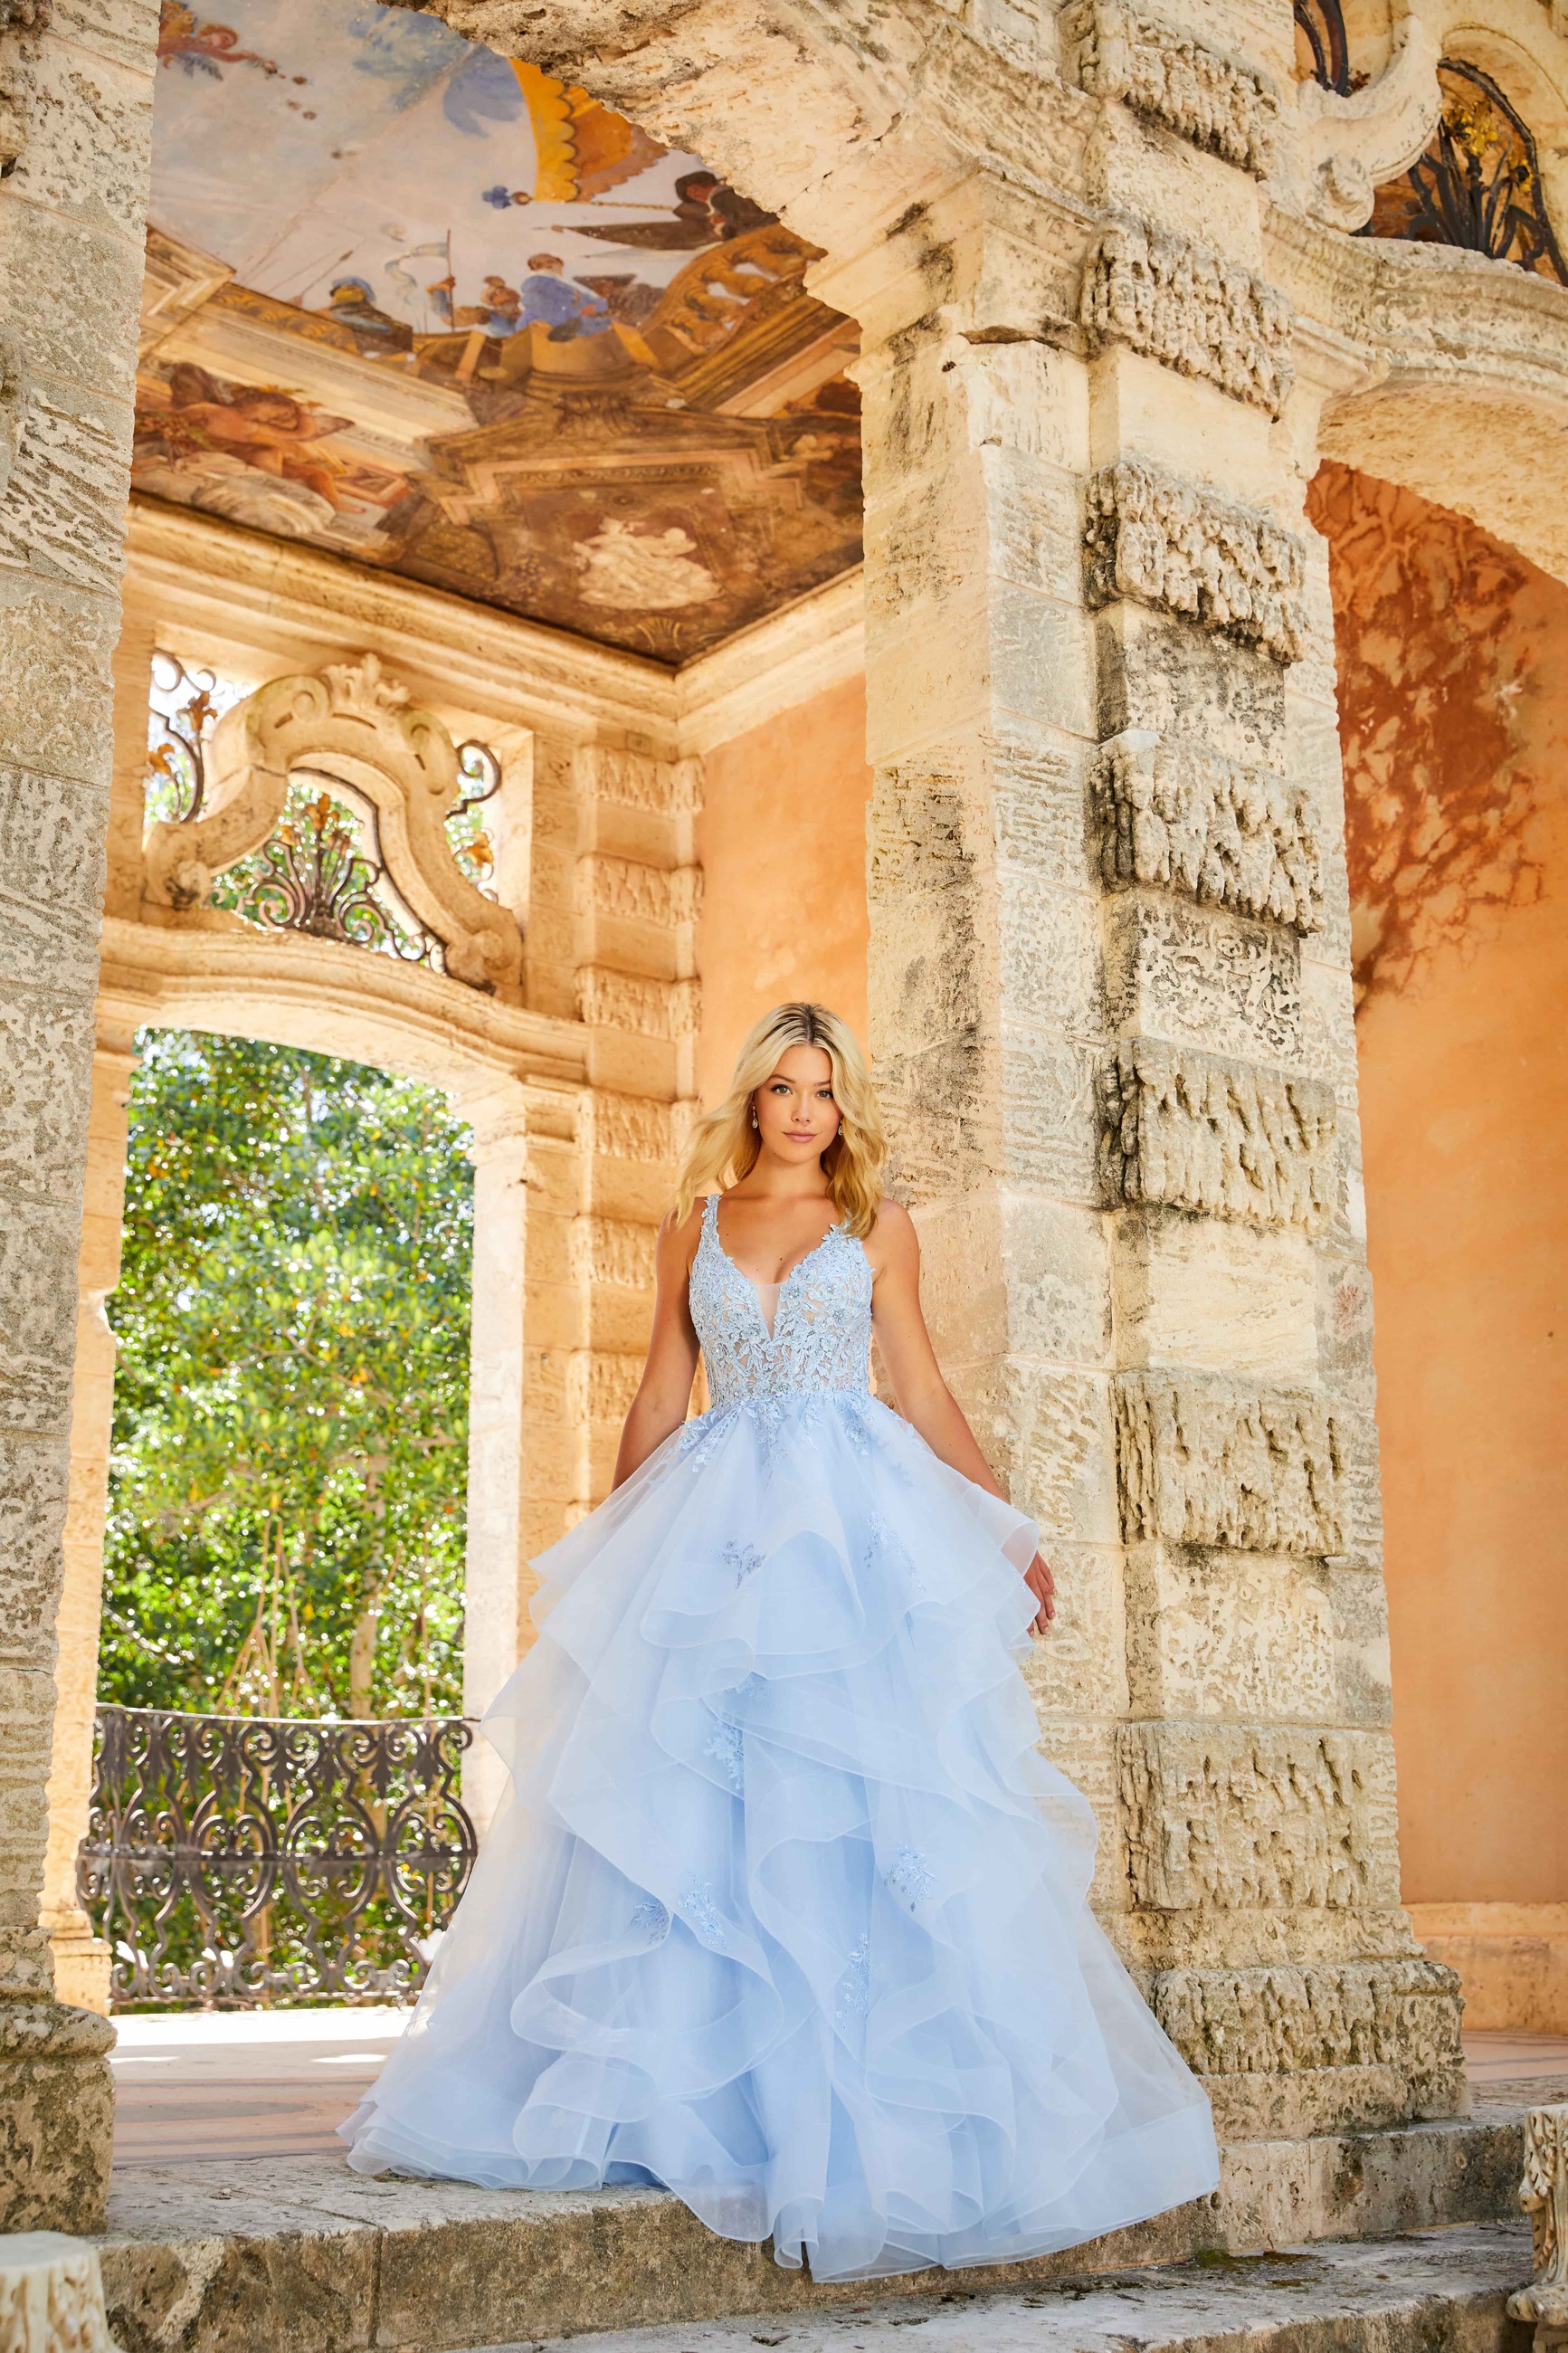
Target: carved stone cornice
[(1167, 543), (1190, 309)]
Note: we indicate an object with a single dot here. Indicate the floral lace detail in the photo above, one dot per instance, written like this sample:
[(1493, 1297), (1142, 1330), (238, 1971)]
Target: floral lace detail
[(703, 1913), (855, 1985), (744, 1558), (909, 1875), (651, 1920), (727, 1743), (821, 1339)]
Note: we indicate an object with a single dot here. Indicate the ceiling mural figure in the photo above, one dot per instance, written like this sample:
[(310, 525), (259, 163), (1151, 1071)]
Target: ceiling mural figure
[(435, 310)]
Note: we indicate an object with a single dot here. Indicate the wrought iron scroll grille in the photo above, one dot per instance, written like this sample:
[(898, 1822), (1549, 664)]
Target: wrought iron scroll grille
[(1478, 184), (245, 1861), (321, 870), (1321, 27)]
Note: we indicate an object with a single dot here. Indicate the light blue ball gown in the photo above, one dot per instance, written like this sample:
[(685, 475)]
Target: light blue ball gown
[(785, 1911)]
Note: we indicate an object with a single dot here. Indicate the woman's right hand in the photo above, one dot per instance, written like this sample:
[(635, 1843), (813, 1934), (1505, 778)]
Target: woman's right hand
[(1043, 1585)]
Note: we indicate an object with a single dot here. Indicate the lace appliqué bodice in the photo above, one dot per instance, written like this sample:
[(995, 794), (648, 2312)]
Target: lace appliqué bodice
[(821, 1336)]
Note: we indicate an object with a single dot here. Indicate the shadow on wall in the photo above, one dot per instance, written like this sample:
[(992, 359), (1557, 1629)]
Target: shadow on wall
[(1450, 650)]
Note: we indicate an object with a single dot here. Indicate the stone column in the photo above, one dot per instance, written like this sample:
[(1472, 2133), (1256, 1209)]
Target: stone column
[(74, 117), (637, 894), (82, 1960), (497, 1580), (1112, 1016)]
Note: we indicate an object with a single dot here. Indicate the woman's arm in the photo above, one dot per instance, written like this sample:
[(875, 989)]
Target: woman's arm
[(924, 1398), (665, 1390)]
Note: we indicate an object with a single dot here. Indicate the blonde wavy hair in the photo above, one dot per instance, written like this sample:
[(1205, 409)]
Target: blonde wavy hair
[(724, 1145)]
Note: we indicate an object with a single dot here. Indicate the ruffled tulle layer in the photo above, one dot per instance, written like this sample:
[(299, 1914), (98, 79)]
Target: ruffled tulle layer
[(785, 1911)]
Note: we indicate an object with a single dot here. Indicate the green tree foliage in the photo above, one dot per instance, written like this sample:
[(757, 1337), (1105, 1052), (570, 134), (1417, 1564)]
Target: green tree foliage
[(287, 1514)]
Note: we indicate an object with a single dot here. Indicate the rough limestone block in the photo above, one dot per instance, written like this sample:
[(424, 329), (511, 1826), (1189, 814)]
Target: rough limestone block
[(600, 1387), (1385, 2034), (56, 686), (71, 297), (1078, 1669), (51, 2295), (613, 1251), (1199, 976), (1221, 1817), (1204, 1460), (1210, 1295), (1009, 1272), (1225, 1138), (1364, 1672), (632, 1001), (33, 1488), (1048, 1429), (1170, 543), (1179, 816), (39, 1300), (89, 135), (1212, 1633), (57, 2099), (1158, 673), (1214, 101), (1190, 309), (43, 1050)]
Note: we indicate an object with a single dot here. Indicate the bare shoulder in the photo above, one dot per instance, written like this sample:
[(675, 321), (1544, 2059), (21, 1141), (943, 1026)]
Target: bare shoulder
[(892, 1240), (678, 1240)]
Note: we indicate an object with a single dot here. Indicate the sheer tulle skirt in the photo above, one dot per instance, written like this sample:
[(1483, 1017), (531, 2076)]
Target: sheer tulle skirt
[(786, 1912)]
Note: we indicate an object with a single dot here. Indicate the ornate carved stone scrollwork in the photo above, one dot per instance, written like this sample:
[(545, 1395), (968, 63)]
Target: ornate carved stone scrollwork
[(1179, 817), (353, 723), (1235, 1815), (1213, 101), (1543, 2194), (1191, 310), (1203, 1461), (1273, 2021), (1165, 542), (1232, 1139), (1351, 140)]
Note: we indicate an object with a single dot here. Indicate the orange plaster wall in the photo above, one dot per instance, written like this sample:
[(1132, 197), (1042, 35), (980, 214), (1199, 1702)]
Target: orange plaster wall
[(1454, 718), (782, 841)]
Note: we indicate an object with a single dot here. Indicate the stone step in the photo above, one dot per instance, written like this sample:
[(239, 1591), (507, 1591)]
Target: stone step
[(1443, 2289), (298, 2255)]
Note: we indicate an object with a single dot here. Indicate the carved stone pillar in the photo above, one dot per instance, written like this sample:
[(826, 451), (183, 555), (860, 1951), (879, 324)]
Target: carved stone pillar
[(74, 117), (82, 1960), (497, 1580), (637, 892), (1112, 1016)]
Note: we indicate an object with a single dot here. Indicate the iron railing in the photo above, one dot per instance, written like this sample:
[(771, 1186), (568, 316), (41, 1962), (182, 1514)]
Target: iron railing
[(244, 1861)]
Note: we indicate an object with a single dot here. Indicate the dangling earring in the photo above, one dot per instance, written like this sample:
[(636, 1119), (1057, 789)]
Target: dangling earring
[(753, 1115)]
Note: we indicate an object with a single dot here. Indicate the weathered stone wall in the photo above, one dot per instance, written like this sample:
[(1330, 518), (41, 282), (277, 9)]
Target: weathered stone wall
[(75, 86)]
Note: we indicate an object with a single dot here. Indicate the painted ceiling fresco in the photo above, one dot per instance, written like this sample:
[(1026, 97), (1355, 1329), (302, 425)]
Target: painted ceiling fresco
[(431, 308)]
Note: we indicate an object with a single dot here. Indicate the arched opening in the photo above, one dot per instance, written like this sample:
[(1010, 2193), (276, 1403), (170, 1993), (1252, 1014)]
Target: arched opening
[(1453, 652)]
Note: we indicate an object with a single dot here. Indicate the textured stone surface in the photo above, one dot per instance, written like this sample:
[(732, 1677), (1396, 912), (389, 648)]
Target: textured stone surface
[(1217, 1633), (630, 1000), (1200, 977), (1207, 1461), (251, 2257), (634, 781), (1248, 1816), (613, 1251), (639, 893), (51, 2295), (1270, 2021), (1213, 100), (1191, 310), (1175, 545), (1200, 1134), (1181, 816), (58, 2100)]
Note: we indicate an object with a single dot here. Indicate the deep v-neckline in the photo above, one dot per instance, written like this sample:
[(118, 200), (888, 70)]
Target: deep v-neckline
[(755, 1288)]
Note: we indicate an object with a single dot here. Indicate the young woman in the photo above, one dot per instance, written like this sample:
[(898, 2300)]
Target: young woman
[(787, 1912)]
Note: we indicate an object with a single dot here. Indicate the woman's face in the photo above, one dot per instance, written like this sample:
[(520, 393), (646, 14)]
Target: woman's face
[(797, 1118)]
